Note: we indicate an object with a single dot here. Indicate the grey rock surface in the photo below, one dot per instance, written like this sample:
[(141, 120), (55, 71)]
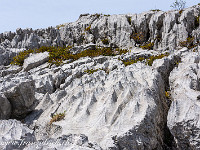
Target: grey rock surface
[(14, 135), (69, 142), (5, 107), (139, 106), (183, 117), (22, 99), (35, 60), (97, 104)]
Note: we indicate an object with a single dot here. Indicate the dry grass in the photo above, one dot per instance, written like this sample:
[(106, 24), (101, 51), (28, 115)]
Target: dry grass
[(57, 117)]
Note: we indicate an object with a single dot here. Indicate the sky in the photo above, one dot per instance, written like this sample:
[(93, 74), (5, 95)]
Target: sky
[(44, 13)]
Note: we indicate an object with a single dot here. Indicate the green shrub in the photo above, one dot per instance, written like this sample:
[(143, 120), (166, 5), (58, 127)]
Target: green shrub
[(167, 94), (57, 117), (155, 10), (180, 12), (148, 46), (19, 59), (105, 41), (88, 28), (58, 54), (139, 38), (151, 59), (129, 20), (59, 26), (119, 51), (130, 62), (189, 43), (91, 71), (97, 15)]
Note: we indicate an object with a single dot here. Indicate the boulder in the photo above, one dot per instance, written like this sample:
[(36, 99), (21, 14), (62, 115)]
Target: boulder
[(22, 99), (35, 60)]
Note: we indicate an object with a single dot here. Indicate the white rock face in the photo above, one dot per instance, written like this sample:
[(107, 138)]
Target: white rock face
[(183, 117), (22, 98), (14, 135), (35, 60), (115, 107), (106, 106), (112, 106)]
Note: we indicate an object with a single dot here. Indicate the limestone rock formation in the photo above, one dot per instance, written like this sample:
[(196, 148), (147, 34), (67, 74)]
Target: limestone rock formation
[(183, 116), (22, 99), (35, 60), (139, 99), (164, 29)]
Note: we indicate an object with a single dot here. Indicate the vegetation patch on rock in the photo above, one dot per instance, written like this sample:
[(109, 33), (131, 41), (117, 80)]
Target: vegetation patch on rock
[(148, 46), (57, 117), (149, 61), (105, 41), (58, 54), (189, 43)]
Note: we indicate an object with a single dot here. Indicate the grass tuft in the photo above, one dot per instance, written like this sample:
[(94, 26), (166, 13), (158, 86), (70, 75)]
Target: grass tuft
[(57, 117)]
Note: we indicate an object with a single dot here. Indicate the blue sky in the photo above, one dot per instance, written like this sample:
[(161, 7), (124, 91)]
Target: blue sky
[(43, 13)]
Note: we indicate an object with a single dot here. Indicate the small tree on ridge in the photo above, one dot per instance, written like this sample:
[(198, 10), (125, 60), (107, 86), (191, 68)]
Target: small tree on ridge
[(178, 4)]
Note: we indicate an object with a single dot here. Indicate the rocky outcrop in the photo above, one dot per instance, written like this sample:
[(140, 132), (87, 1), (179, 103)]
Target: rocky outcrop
[(35, 60), (164, 29), (183, 116), (141, 100), (103, 99), (6, 55), (22, 99), (95, 104)]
